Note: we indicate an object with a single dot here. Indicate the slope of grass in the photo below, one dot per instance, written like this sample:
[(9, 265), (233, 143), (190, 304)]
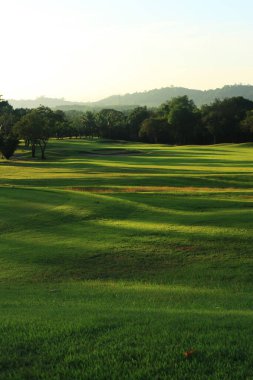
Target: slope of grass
[(114, 265)]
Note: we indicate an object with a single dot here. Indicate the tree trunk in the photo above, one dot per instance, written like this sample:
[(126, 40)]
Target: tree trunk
[(43, 145), (33, 150)]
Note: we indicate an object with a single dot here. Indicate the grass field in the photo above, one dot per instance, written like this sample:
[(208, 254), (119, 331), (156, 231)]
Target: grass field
[(117, 258)]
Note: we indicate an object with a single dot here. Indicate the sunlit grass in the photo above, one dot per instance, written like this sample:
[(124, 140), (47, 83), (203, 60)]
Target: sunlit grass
[(69, 164)]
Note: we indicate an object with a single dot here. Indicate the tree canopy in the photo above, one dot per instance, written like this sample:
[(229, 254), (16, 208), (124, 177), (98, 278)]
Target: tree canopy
[(36, 127)]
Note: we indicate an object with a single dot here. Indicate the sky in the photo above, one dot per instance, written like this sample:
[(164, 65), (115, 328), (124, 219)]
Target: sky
[(85, 50)]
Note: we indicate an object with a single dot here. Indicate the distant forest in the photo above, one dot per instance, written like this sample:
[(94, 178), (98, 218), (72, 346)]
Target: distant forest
[(177, 121)]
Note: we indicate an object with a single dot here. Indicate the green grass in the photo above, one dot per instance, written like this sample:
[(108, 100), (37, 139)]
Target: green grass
[(116, 258)]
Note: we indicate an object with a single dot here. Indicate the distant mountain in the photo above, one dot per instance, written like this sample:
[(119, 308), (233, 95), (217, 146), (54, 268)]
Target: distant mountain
[(152, 98), (43, 101), (93, 107), (156, 97), (62, 104)]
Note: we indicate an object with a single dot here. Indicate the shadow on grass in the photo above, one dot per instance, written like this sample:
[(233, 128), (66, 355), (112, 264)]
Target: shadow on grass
[(61, 236)]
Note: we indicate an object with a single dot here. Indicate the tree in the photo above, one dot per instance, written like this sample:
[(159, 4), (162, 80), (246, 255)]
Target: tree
[(112, 124), (223, 118), (211, 119), (89, 124), (183, 118), (163, 110), (7, 117), (8, 140), (154, 131), (8, 145), (60, 121), (134, 121), (37, 126), (74, 127), (247, 124)]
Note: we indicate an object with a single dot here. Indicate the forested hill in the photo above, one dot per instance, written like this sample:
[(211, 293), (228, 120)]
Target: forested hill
[(44, 101), (156, 97), (152, 98)]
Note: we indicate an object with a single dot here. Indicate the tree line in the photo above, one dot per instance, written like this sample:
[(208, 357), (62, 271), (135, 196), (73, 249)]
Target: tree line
[(176, 122)]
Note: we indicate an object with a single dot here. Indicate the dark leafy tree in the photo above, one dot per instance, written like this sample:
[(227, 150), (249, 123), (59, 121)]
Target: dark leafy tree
[(60, 122), (7, 117), (8, 139), (183, 118), (8, 145), (223, 118), (134, 121), (247, 125), (89, 124), (37, 126), (112, 124), (74, 127), (154, 131), (164, 110)]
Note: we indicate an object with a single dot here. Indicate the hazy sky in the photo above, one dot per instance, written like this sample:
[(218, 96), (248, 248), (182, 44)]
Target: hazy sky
[(89, 49)]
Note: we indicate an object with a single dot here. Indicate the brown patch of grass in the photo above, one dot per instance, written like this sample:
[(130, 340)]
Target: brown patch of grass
[(110, 152), (186, 248), (152, 189)]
